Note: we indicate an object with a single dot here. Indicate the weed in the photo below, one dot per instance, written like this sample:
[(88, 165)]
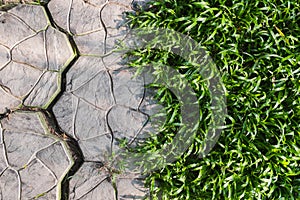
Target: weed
[(256, 48)]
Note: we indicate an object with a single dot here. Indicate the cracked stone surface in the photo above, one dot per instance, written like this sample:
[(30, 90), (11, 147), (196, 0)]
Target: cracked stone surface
[(32, 160), (66, 100)]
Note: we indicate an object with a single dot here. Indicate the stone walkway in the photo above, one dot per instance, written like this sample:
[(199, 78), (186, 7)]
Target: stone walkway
[(66, 100)]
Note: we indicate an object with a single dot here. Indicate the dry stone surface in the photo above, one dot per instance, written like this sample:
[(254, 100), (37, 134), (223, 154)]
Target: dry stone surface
[(67, 100)]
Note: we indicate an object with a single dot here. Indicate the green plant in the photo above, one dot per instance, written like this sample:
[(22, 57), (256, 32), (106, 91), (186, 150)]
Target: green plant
[(256, 48)]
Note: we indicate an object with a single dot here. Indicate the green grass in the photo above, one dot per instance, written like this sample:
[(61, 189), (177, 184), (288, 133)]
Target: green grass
[(255, 46)]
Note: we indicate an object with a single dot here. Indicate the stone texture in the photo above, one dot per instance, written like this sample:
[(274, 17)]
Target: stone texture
[(59, 50), (32, 161), (128, 90), (91, 182), (7, 100), (100, 101), (28, 14), (55, 158), (131, 188), (12, 24), (44, 91), (9, 185), (36, 51), (114, 20), (33, 46), (125, 122), (4, 56), (85, 17), (23, 80), (91, 43), (36, 179)]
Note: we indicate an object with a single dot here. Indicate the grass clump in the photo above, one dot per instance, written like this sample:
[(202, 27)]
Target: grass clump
[(256, 48)]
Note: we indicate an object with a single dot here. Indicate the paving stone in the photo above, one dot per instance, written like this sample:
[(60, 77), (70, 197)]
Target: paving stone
[(84, 17), (48, 49), (85, 69), (60, 12), (44, 91), (58, 49), (3, 164), (23, 122), (97, 148), (126, 122), (55, 158), (4, 56), (91, 182), (12, 24), (76, 16), (91, 43), (36, 179), (28, 14), (88, 126), (64, 111), (32, 161), (25, 144), (33, 46), (131, 188), (7, 100), (9, 185), (90, 121), (23, 80), (97, 91), (128, 90), (115, 61), (114, 20), (47, 196), (102, 102)]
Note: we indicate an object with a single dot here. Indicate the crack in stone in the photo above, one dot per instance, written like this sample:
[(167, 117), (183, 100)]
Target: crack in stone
[(48, 115), (104, 26), (51, 120), (72, 144)]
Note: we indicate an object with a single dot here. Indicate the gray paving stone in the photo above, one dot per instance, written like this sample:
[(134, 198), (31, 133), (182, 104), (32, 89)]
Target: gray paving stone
[(91, 182), (85, 17), (7, 100), (97, 91), (64, 111), (97, 148), (128, 90), (91, 43), (12, 24), (3, 163), (9, 185), (33, 16), (59, 50), (23, 80), (4, 56), (131, 188), (90, 121), (44, 91), (33, 46), (102, 102), (76, 16), (126, 122), (85, 69), (47, 196), (60, 12), (55, 158), (32, 161), (36, 179), (49, 49), (114, 61), (114, 20)]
